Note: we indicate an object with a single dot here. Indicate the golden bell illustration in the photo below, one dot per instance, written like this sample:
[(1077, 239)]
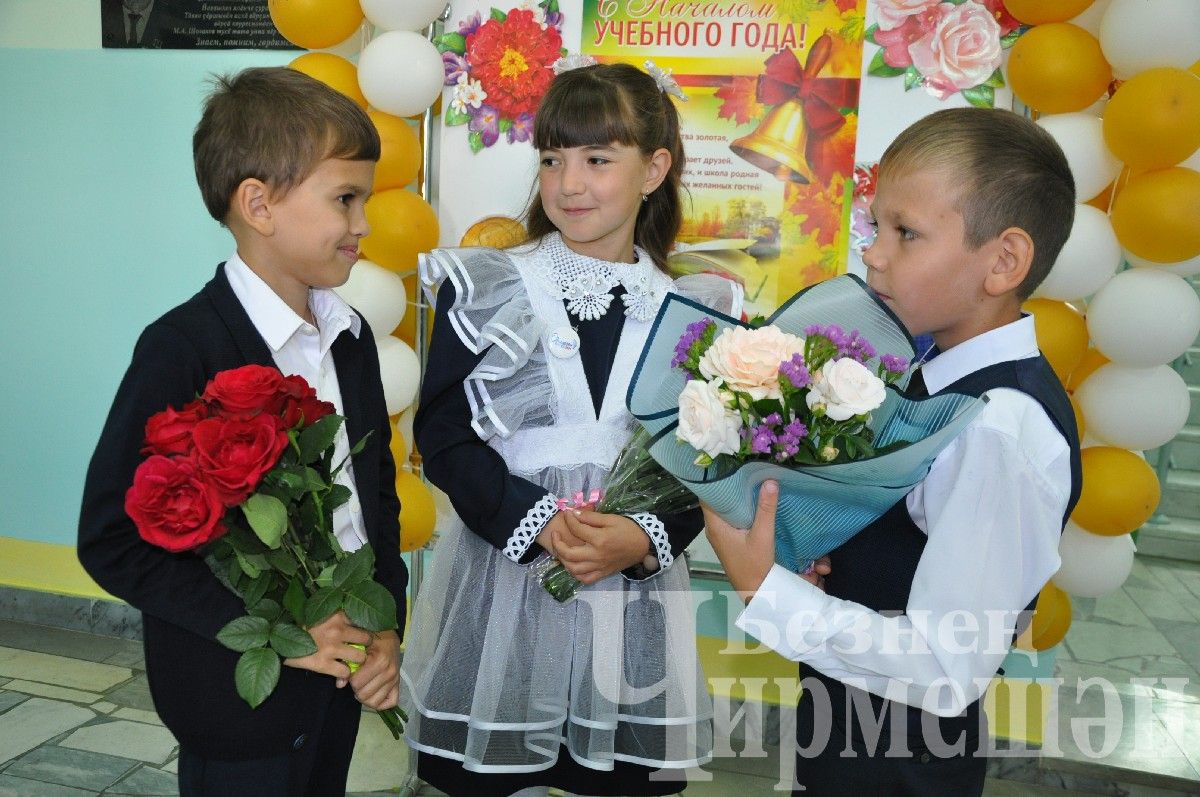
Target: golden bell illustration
[(777, 145)]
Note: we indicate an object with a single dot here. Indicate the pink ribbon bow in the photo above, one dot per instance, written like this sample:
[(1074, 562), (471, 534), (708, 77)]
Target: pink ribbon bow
[(578, 501)]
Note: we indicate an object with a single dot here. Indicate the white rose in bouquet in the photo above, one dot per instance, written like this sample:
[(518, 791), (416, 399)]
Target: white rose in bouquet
[(846, 388), (705, 422), (747, 360)]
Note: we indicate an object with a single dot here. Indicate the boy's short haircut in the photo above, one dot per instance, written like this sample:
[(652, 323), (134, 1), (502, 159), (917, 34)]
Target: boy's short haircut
[(276, 125), (1012, 173)]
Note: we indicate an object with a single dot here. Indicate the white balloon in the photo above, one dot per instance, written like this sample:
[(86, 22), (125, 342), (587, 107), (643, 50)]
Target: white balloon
[(349, 47), (1136, 35), (1144, 317), (1193, 161), (1092, 565), (1089, 18), (403, 14), (1081, 137), (400, 371), (378, 294), (1182, 268), (1089, 258), (400, 72), (1133, 408)]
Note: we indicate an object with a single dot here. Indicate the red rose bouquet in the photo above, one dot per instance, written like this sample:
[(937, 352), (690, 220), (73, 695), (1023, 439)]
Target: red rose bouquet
[(244, 475)]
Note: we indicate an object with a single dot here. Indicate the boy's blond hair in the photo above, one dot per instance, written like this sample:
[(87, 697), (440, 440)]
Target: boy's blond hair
[(1011, 173), (276, 125)]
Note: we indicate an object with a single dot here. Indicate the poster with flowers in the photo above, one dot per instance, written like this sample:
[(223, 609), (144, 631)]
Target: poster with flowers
[(943, 46), (769, 128), (498, 67)]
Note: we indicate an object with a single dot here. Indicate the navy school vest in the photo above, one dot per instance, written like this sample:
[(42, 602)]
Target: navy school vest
[(876, 567)]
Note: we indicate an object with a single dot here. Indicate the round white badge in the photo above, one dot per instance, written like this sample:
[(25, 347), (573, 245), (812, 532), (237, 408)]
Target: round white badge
[(563, 342)]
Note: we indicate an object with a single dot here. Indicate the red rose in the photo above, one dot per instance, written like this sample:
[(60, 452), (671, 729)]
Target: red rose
[(300, 403), (172, 506), (170, 432), (234, 453), (246, 391)]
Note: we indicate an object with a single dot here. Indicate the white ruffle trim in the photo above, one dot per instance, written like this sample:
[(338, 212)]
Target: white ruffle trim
[(531, 525), (658, 537)]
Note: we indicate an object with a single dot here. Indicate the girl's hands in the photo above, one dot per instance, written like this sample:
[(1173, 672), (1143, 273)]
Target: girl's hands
[(596, 545)]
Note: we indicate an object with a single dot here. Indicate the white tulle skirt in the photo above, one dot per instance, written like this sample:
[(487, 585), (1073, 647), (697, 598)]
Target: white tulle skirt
[(499, 675)]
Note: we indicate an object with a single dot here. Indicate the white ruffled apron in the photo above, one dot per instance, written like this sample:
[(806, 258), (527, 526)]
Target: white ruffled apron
[(498, 674)]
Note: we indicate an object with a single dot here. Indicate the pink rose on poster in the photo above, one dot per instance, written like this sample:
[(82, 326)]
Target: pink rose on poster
[(894, 13), (962, 51)]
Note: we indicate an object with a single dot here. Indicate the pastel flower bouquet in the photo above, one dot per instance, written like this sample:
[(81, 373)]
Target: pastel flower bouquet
[(245, 477), (727, 405)]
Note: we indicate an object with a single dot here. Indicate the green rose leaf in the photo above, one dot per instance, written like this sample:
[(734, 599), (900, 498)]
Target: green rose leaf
[(869, 35), (354, 568), (244, 633), (293, 600), (325, 577), (283, 561), (267, 609), (983, 96), (912, 78), (256, 675), (316, 438), (320, 605), (361, 444), (1011, 37), (475, 141), (881, 68), (370, 606), (498, 15), (291, 642), (267, 517), (258, 588), (338, 495), (996, 81)]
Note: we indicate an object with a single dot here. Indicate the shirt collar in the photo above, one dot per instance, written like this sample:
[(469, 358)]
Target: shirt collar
[(1013, 341), (278, 323)]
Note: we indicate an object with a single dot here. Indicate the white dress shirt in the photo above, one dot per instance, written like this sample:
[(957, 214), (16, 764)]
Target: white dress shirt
[(298, 347), (991, 507)]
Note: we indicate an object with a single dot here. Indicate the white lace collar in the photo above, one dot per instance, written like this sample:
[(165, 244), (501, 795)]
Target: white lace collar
[(585, 283)]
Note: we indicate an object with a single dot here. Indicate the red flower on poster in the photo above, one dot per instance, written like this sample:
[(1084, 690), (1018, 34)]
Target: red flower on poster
[(512, 59)]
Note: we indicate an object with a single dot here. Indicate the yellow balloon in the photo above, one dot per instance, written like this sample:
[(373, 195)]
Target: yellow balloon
[(1061, 334), (498, 232), (1058, 68), (1120, 491), (418, 514), (1153, 119), (1039, 12), (334, 71), (315, 24), (402, 226), (1157, 215), (400, 153), (1051, 619), (1091, 360), (399, 447), (1080, 422)]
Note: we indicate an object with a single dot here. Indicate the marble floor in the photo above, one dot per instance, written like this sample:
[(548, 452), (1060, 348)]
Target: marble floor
[(76, 717)]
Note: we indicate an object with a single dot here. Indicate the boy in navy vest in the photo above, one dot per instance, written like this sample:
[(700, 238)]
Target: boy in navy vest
[(286, 164), (900, 631)]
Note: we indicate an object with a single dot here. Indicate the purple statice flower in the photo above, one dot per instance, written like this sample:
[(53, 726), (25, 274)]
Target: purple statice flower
[(831, 332), (774, 419), (554, 19), (894, 364), (470, 24), (454, 65), (856, 347), (787, 442), (694, 332), (486, 122), (795, 371), (522, 128), (763, 439)]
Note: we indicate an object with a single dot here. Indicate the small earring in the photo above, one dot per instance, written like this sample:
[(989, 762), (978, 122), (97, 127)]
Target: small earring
[(645, 197)]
